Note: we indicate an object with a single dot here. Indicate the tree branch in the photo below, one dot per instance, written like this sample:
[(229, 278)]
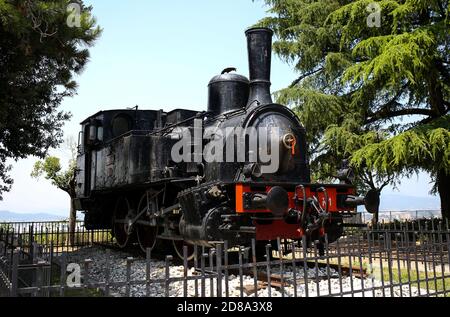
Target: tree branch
[(392, 114), (367, 178), (387, 182), (295, 82)]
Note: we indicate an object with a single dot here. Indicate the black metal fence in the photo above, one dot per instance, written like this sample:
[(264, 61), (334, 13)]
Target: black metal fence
[(404, 260), (54, 234)]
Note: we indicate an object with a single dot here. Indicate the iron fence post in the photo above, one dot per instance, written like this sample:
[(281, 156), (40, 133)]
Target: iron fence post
[(41, 279), (294, 268), (316, 267), (185, 271), (327, 255), (108, 272), (408, 263), (128, 277), (211, 269), (361, 267), (371, 269), (425, 261), (305, 264), (202, 268), (148, 267), (255, 270), (268, 257), (31, 240), (196, 257), (86, 281), (15, 274), (225, 247), (281, 255), (167, 275), (219, 269), (62, 282), (241, 274)]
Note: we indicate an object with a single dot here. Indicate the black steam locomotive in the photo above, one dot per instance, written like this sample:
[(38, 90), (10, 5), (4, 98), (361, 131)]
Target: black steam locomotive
[(128, 179)]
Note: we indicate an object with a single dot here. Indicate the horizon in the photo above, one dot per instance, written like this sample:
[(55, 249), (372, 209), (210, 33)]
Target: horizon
[(136, 61), (65, 213)]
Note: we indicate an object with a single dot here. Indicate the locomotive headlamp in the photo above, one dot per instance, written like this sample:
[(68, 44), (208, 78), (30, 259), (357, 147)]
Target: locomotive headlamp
[(278, 201)]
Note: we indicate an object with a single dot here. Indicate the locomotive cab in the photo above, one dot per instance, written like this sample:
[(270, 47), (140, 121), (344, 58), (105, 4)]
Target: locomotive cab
[(100, 135)]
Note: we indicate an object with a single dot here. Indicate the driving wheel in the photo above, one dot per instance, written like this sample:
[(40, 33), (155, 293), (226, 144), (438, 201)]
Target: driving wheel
[(122, 222), (146, 226)]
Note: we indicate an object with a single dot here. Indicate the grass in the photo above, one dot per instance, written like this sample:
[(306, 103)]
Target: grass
[(80, 238), (435, 282), (61, 240)]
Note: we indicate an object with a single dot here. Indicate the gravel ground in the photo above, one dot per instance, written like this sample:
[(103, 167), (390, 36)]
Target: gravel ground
[(138, 272)]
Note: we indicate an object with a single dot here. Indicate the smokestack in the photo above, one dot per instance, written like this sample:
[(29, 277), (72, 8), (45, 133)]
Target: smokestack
[(259, 42)]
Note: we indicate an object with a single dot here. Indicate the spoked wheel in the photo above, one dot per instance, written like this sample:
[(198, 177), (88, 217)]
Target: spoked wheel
[(146, 232), (121, 222), (178, 246)]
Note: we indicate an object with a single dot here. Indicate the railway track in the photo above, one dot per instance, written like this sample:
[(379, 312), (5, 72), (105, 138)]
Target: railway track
[(233, 259), (280, 281)]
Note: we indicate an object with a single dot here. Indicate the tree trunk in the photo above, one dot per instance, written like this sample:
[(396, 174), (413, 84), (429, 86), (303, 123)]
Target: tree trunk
[(375, 217), (72, 222), (372, 202), (443, 184)]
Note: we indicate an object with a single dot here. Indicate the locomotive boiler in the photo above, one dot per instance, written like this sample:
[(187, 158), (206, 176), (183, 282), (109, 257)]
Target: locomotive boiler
[(130, 180)]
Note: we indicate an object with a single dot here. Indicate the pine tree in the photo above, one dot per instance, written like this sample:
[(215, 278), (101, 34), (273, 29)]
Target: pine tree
[(43, 43), (382, 66)]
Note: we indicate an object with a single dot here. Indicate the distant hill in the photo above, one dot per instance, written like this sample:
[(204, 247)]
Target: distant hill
[(7, 216), (388, 203), (401, 206)]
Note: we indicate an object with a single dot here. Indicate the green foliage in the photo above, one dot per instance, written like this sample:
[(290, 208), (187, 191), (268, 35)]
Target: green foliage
[(356, 83), (39, 55), (426, 146), (51, 169)]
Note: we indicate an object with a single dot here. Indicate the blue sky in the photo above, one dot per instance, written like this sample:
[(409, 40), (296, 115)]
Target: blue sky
[(159, 55)]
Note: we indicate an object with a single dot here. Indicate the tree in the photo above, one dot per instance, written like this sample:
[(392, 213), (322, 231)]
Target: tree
[(392, 79), (65, 180), (40, 51), (425, 146)]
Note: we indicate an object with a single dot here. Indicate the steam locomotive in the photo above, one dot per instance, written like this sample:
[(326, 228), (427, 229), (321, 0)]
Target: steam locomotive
[(129, 181)]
